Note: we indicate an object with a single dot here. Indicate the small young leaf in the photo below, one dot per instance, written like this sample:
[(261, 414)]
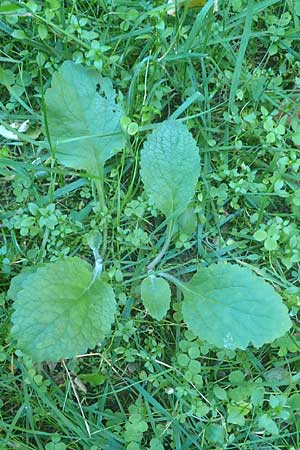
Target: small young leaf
[(260, 235), (81, 104), (57, 315), (230, 307), (156, 296), (170, 166)]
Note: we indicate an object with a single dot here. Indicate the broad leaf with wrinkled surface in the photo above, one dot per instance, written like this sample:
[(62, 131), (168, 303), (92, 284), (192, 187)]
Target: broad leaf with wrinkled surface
[(156, 296), (230, 307), (170, 166), (83, 118), (57, 313)]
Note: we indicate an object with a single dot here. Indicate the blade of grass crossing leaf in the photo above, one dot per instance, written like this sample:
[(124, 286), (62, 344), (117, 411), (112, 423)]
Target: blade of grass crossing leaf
[(241, 53), (14, 94), (10, 430), (65, 190), (135, 76), (207, 117), (198, 25), (30, 416), (196, 97), (150, 416), (65, 412), (52, 149), (45, 116), (66, 424), (183, 56), (256, 10), (58, 29)]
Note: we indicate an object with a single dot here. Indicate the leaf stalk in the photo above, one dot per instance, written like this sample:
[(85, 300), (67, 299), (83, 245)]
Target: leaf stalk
[(103, 207), (160, 255)]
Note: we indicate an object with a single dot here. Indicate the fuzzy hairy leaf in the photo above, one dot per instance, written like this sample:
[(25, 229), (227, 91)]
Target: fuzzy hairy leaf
[(57, 315), (170, 166), (187, 222), (80, 104), (230, 307), (16, 282), (156, 296)]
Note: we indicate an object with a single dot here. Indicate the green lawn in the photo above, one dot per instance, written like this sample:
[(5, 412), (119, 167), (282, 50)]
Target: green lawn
[(231, 76)]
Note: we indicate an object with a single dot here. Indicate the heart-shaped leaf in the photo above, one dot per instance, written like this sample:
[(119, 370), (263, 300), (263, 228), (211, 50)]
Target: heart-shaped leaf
[(58, 312)]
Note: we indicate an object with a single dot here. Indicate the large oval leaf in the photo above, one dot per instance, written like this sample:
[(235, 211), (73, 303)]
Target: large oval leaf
[(57, 315), (170, 166), (81, 104), (230, 307)]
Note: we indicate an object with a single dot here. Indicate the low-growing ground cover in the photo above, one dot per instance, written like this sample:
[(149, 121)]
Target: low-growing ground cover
[(231, 77)]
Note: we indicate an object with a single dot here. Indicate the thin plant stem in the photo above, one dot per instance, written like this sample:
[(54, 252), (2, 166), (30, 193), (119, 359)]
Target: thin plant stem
[(77, 399), (172, 279), (160, 255), (103, 207)]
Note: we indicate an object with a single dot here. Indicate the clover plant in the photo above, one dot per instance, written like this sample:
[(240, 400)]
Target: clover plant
[(63, 308)]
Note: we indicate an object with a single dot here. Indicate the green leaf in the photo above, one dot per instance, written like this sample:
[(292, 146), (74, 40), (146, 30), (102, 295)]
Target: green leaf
[(294, 402), (183, 359), (156, 296), (187, 222), (236, 414), (9, 8), (43, 31), (296, 138), (156, 444), (270, 244), (94, 378), (17, 281), (170, 167), (215, 433), (230, 307), (81, 104), (220, 393), (57, 313), (19, 34), (268, 424), (260, 235)]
